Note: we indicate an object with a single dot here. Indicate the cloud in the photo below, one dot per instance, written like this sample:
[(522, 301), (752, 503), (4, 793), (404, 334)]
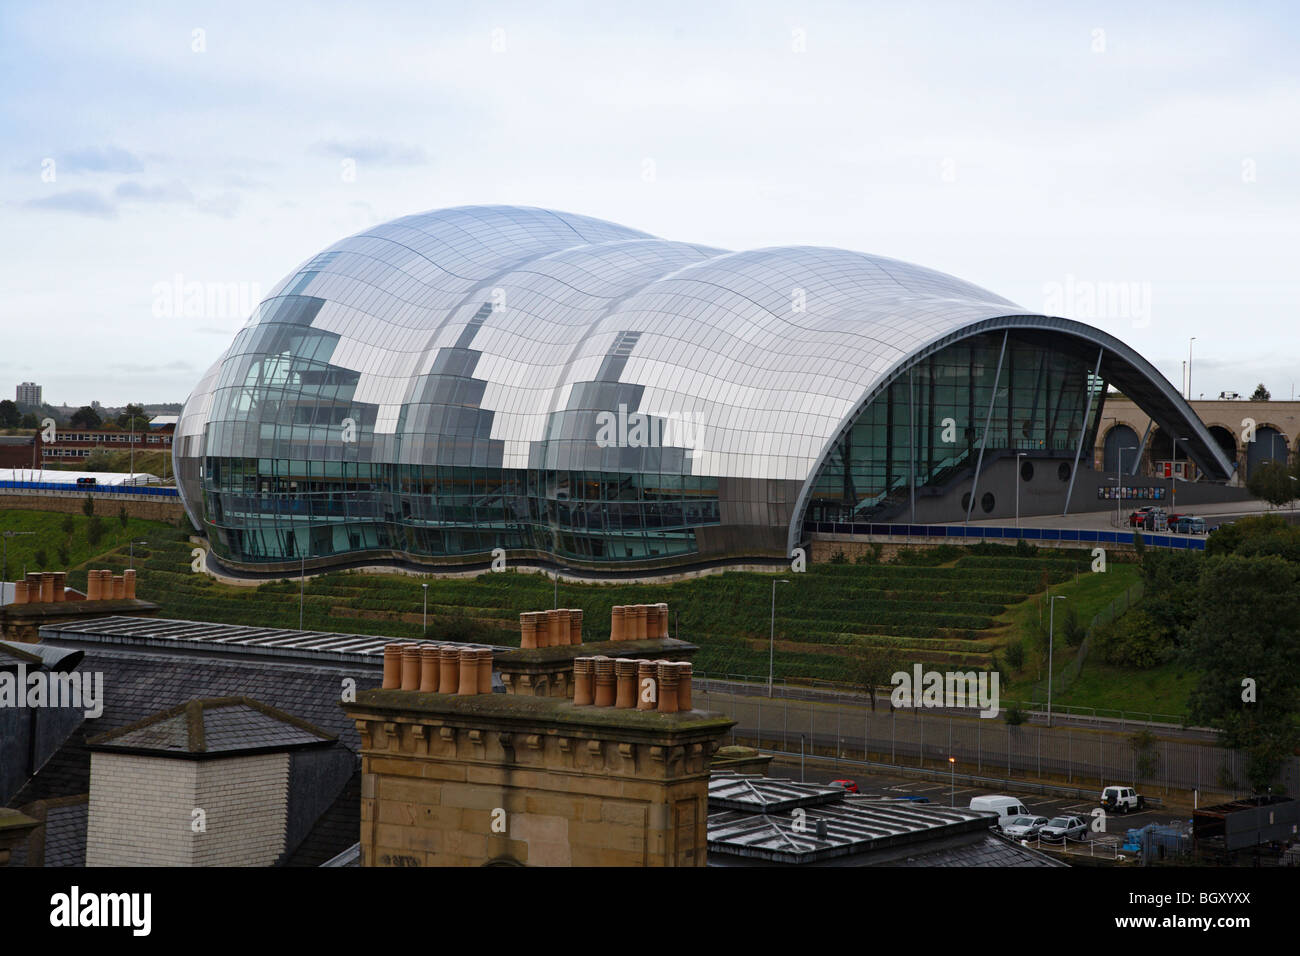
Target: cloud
[(81, 202), (132, 191), (100, 159), (376, 152), (224, 204)]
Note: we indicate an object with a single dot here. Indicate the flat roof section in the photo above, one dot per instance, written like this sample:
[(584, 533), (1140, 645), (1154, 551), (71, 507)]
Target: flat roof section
[(231, 639)]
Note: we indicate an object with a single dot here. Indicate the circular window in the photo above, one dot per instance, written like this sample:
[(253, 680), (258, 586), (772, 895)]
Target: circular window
[(1027, 471), (987, 502), (1064, 471), (965, 502)]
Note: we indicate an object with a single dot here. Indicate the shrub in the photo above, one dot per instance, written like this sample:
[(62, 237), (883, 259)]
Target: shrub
[(1015, 655), (1134, 639), (68, 525), (1014, 716), (64, 556), (41, 558), (94, 530), (839, 557), (122, 516), (88, 506), (1073, 631), (871, 555)]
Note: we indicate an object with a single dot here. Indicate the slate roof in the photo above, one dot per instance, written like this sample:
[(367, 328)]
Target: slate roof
[(338, 828), (211, 727), (988, 850), (138, 683)]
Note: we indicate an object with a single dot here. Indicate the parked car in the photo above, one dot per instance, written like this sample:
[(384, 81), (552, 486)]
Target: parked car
[(849, 785), (1005, 807), (1137, 518), (1063, 828), (1122, 799), (1190, 524), (1022, 828)]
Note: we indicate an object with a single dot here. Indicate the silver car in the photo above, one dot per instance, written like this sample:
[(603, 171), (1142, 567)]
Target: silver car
[(1060, 829), (1022, 828)]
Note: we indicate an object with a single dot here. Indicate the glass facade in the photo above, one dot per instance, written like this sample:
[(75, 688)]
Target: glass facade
[(467, 379), (929, 424)]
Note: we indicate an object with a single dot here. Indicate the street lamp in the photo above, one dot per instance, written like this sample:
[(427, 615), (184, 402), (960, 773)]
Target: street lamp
[(1173, 475), (1019, 455), (1051, 634), (1189, 367), (424, 622), (952, 781), (1119, 479), (131, 551), (771, 636)]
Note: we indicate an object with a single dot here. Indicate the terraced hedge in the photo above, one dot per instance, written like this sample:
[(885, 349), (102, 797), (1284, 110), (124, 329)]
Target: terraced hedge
[(929, 612)]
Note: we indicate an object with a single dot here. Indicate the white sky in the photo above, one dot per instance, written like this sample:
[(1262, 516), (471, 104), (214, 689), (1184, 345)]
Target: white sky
[(993, 142)]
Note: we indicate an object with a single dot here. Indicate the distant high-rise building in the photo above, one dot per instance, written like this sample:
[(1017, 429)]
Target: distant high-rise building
[(29, 393)]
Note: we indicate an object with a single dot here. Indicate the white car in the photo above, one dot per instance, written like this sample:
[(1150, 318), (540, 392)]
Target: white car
[(1122, 799), (1060, 829), (1022, 828), (1005, 807)]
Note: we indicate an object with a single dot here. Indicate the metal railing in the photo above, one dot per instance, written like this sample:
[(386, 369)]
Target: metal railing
[(983, 532), (62, 488)]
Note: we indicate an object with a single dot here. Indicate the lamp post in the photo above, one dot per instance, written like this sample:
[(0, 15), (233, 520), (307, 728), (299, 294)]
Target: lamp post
[(1189, 367), (1019, 455), (952, 781), (1051, 635), (1119, 479), (1173, 475), (302, 585), (771, 635), (131, 551), (424, 621)]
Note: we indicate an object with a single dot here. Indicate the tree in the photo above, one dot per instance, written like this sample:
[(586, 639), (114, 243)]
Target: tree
[(85, 417), (1246, 642), (98, 460), (30, 421), (871, 666), (1274, 483), (9, 416), (1260, 394), (122, 516), (133, 419), (88, 506)]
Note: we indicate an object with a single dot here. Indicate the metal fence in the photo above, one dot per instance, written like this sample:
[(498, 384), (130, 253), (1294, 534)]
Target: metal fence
[(836, 726), (1078, 535), (62, 488)]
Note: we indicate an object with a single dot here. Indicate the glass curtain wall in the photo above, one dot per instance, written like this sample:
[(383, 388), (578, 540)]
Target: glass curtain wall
[(928, 425)]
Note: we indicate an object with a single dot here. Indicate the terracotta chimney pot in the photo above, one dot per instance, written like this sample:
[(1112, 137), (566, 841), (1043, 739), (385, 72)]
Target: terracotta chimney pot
[(47, 587), (684, 686), (392, 658), (448, 670), (646, 671), (667, 687), (430, 654), (129, 577), (604, 668), (575, 625), (119, 588), (20, 592), (625, 673), (582, 690), (92, 586), (60, 583), (663, 620), (562, 626), (468, 672), (638, 631), (527, 630), (484, 670), (410, 667), (617, 621)]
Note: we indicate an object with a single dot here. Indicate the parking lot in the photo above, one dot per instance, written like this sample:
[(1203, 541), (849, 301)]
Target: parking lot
[(1039, 804)]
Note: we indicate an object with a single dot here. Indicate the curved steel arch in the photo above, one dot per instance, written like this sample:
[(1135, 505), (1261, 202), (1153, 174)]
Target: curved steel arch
[(1163, 403)]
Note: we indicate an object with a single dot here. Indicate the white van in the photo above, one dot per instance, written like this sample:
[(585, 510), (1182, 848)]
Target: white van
[(1004, 807)]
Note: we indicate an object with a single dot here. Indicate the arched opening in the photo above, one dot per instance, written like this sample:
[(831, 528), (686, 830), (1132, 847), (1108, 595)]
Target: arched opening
[(1269, 445), (1226, 440), (1120, 440)]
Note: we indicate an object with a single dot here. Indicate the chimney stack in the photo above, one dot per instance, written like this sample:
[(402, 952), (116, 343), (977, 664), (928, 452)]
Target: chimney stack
[(625, 672), (429, 660), (468, 672), (392, 652), (617, 623), (582, 695), (410, 666)]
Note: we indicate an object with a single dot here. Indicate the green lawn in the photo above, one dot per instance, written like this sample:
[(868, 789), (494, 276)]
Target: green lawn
[(52, 530)]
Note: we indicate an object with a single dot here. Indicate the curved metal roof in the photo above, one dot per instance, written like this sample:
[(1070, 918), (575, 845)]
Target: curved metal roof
[(768, 353)]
